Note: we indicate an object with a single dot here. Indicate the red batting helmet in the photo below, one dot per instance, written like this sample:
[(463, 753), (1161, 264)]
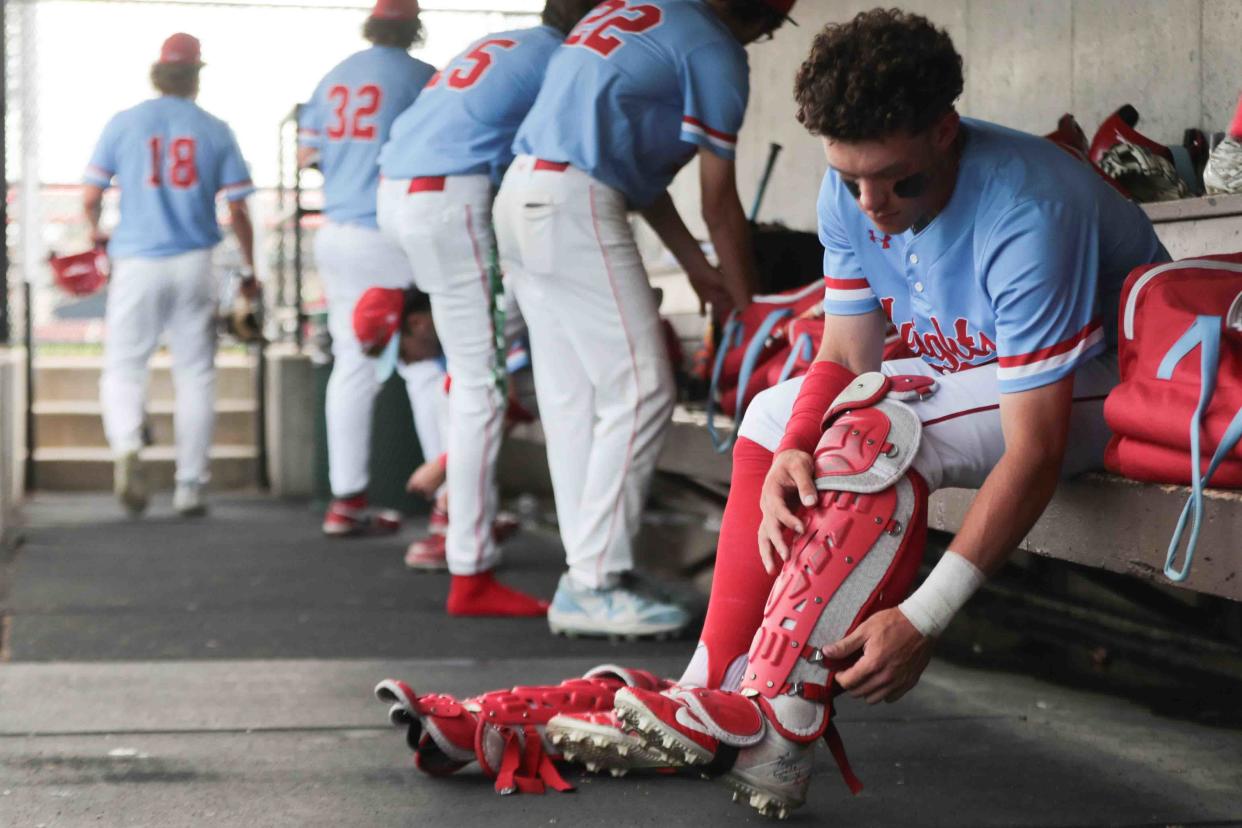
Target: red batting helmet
[(82, 273)]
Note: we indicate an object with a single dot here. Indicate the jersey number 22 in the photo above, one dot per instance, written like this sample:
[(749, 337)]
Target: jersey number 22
[(592, 32)]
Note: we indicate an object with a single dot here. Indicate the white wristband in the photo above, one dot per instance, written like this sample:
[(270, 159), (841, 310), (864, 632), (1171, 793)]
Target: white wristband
[(932, 606)]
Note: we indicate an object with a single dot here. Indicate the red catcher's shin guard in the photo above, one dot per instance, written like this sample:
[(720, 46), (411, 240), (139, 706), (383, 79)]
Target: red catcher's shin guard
[(740, 586)]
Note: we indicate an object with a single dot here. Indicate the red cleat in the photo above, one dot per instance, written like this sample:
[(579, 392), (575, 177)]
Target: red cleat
[(350, 517)]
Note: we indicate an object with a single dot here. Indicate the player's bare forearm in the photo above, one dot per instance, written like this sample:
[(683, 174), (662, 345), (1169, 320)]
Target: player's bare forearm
[(856, 342), (728, 226), (243, 229), (667, 223), (1015, 494), (92, 207)]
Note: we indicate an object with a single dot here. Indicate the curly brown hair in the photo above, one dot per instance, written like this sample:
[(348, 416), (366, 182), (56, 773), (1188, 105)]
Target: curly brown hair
[(563, 15), (885, 71), (401, 34), (180, 79)]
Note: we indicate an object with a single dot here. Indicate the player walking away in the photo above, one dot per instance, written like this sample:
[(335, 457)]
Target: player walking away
[(1001, 264), (342, 128), (170, 159), (638, 90), (447, 154)]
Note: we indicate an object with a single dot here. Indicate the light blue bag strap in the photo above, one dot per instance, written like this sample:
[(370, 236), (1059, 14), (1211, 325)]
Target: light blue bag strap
[(803, 348), (1204, 332), (731, 338), (754, 348)]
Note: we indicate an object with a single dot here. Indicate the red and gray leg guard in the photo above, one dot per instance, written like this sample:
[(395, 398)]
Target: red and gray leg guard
[(504, 731), (859, 553)]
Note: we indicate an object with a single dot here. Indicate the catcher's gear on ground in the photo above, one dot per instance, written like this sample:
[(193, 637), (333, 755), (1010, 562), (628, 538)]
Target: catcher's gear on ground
[(862, 545), (503, 730)]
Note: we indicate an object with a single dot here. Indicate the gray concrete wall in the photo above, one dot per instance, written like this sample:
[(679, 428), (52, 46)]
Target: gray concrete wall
[(12, 437), (1027, 62), (290, 421)]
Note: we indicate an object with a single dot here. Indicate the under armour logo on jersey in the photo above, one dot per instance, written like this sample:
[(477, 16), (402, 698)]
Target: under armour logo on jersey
[(883, 242)]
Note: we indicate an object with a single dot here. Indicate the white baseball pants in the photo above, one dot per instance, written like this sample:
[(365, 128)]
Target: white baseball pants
[(446, 232), (602, 376), (962, 436), (176, 295), (350, 259)]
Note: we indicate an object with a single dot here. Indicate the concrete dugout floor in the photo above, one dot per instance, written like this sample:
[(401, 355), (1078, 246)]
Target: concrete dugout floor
[(218, 672)]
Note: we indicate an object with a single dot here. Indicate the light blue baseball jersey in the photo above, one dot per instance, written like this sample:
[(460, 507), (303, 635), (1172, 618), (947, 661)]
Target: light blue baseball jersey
[(465, 120), (348, 119), (1024, 266), (170, 159), (636, 90)]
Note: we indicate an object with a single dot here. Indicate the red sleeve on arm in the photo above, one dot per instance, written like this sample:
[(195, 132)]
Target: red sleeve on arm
[(820, 387)]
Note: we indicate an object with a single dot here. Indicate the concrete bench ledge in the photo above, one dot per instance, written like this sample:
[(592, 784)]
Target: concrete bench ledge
[(1099, 519)]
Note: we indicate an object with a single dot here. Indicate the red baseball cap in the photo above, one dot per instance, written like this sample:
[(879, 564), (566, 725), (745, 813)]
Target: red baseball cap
[(377, 316), (395, 10), (182, 48)]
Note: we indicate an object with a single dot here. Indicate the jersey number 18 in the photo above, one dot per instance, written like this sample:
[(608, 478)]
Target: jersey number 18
[(592, 32), (182, 173)]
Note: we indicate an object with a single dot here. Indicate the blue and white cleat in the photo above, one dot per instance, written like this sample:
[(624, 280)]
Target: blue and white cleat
[(626, 610)]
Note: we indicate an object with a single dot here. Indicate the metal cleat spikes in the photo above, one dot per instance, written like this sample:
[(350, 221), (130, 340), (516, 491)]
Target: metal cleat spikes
[(617, 773)]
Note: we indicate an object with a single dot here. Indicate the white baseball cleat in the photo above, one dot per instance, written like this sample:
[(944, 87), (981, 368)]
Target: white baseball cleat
[(773, 775), (129, 482), (188, 500)]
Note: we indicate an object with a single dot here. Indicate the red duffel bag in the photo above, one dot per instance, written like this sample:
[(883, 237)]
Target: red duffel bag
[(800, 339), (750, 340), (1176, 416)]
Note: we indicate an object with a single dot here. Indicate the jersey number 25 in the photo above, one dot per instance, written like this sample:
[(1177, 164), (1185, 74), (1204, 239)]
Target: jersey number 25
[(182, 173), (592, 32)]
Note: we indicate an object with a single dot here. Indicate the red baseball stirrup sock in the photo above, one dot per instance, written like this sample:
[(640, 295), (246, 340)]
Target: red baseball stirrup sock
[(482, 594), (740, 586), (819, 388)]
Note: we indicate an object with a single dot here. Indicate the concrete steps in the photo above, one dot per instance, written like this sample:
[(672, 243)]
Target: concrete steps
[(76, 378), (71, 452), (69, 424), (90, 469)]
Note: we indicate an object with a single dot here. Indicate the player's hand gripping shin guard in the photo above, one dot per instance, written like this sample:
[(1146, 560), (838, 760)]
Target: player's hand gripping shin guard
[(503, 730), (859, 553)]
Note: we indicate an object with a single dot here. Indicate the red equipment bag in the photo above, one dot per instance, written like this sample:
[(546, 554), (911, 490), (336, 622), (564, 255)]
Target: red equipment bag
[(1170, 407), (80, 274), (798, 340), (752, 338)]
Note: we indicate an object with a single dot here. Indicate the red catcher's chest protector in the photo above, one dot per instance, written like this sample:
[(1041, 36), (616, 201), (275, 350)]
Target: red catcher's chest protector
[(1177, 413)]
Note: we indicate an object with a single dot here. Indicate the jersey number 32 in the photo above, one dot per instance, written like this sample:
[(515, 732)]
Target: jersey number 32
[(618, 15)]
